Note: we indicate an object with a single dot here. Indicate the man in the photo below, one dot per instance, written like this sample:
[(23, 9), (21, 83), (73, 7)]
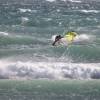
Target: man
[(57, 39), (68, 38)]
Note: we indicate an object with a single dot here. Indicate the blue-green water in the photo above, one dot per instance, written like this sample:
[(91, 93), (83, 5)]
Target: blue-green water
[(26, 28), (49, 90)]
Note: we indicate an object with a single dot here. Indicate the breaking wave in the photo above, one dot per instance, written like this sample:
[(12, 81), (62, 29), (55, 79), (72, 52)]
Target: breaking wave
[(49, 70)]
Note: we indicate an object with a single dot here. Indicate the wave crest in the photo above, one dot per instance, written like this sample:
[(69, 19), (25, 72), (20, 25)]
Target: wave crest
[(48, 70)]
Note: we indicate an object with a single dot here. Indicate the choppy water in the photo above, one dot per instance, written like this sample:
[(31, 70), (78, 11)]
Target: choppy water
[(25, 39), (26, 28)]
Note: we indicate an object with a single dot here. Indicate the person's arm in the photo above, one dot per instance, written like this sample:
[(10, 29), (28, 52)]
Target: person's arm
[(54, 43)]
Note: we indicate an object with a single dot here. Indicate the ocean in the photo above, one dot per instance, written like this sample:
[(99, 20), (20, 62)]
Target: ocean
[(31, 68)]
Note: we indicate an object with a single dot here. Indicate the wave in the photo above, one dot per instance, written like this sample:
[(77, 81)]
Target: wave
[(21, 40), (84, 52), (90, 11), (77, 1), (49, 70), (85, 48), (83, 38), (24, 10), (51, 0), (3, 33), (24, 20)]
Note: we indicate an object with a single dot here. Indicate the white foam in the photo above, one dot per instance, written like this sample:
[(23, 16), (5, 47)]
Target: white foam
[(24, 10), (24, 20), (64, 0), (51, 0), (49, 70), (90, 11), (77, 1), (53, 37), (3, 33), (81, 38)]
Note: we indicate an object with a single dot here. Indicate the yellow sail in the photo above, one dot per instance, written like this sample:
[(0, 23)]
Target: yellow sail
[(70, 36)]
